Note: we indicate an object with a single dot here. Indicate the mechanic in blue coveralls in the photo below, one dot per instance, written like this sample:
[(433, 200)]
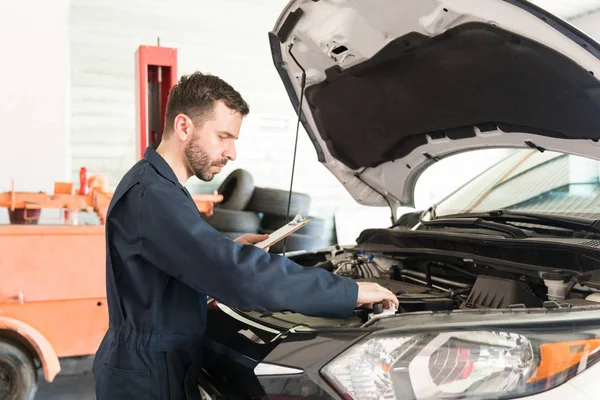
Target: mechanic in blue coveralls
[(163, 259)]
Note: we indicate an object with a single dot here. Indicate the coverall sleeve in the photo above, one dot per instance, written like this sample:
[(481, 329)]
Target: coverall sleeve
[(177, 240)]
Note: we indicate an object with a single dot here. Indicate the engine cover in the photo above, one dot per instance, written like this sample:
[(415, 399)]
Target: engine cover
[(493, 292)]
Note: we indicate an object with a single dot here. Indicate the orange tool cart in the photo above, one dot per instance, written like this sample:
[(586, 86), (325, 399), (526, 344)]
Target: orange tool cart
[(52, 274)]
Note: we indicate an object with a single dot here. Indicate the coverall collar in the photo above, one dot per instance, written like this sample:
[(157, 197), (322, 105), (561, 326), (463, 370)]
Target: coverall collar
[(161, 165)]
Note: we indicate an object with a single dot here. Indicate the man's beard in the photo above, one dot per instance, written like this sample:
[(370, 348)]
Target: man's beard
[(200, 163)]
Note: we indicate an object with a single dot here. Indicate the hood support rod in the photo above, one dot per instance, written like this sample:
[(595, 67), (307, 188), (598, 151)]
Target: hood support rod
[(392, 211), (302, 86)]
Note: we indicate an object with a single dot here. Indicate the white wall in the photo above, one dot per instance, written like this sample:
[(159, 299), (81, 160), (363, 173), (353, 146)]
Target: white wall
[(218, 37), (34, 95)]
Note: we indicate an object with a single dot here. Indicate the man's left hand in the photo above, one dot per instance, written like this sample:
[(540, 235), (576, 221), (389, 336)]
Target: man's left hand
[(251, 238)]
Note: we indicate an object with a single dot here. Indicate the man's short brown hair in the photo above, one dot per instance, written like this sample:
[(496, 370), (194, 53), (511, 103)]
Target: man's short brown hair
[(195, 96)]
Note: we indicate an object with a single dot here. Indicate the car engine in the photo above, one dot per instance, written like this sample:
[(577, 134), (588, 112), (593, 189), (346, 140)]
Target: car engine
[(450, 271), (424, 284)]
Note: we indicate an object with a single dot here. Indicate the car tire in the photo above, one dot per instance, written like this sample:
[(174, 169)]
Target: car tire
[(275, 202), (233, 221), (237, 190), (18, 377), (316, 226), (296, 241)]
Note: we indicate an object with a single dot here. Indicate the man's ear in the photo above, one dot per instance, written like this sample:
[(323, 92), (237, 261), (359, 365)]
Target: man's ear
[(183, 127)]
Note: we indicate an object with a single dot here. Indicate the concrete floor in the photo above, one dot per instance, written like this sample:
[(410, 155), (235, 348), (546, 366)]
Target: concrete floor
[(75, 382), (68, 387)]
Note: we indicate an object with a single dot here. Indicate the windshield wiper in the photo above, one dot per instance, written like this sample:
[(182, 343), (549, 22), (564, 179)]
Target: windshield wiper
[(558, 221), (475, 222)]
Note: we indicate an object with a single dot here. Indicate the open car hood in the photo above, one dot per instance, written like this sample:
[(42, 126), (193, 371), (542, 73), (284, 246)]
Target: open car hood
[(388, 87)]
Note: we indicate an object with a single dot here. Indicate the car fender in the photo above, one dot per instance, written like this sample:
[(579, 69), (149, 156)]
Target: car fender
[(42, 347)]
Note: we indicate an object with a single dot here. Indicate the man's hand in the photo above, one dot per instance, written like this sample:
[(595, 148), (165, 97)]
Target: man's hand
[(370, 293), (252, 238)]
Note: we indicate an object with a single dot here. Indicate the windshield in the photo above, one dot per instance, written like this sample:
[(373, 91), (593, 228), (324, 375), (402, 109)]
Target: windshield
[(531, 181)]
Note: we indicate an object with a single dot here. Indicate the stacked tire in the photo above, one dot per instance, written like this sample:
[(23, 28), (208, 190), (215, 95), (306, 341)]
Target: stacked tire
[(272, 204), (309, 237), (249, 209), (230, 216)]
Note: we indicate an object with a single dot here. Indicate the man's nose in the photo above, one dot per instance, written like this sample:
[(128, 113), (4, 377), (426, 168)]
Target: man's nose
[(230, 151)]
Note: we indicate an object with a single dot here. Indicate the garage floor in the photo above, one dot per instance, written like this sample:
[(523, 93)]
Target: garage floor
[(75, 382), (69, 387)]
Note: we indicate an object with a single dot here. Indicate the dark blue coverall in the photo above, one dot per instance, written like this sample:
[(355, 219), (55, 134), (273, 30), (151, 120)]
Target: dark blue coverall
[(162, 261)]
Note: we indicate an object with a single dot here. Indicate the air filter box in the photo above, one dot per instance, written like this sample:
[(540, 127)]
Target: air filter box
[(492, 292)]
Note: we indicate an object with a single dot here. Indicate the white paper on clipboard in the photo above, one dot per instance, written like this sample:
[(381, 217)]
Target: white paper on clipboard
[(289, 228)]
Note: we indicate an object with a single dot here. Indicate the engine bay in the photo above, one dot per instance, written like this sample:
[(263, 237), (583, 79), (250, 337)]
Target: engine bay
[(435, 272), (425, 284), (445, 272)]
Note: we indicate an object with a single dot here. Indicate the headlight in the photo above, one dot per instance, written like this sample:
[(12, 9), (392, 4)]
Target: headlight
[(457, 365)]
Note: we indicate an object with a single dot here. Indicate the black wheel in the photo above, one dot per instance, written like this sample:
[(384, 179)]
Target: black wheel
[(316, 226), (18, 379), (274, 202), (237, 190), (233, 221)]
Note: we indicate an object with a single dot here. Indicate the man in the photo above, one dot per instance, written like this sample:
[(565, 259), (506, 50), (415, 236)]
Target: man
[(163, 259)]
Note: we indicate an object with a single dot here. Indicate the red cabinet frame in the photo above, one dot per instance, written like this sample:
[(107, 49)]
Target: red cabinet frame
[(155, 75)]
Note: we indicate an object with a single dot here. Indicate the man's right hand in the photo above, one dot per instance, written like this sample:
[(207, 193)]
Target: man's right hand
[(370, 293)]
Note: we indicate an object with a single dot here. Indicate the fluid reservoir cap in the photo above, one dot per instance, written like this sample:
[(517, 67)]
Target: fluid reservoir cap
[(558, 275), (377, 308), (371, 257), (362, 252)]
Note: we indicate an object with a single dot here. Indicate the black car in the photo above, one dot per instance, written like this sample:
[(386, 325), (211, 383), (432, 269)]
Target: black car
[(499, 282)]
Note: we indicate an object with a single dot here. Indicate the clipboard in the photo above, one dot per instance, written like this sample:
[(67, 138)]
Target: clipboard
[(297, 223)]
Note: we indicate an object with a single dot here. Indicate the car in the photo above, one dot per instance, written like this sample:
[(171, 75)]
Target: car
[(499, 282)]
